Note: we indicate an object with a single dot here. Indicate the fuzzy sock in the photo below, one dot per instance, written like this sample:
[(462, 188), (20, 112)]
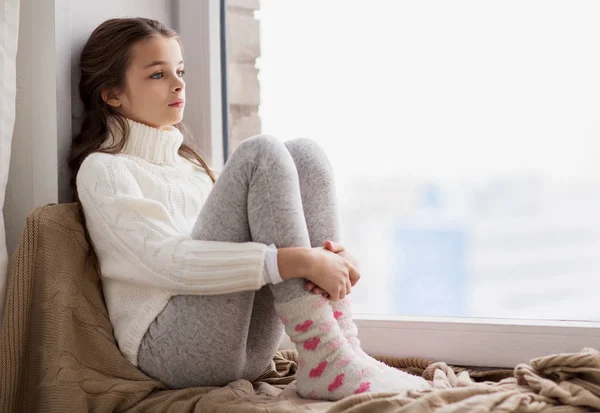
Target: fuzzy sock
[(342, 312), (328, 367)]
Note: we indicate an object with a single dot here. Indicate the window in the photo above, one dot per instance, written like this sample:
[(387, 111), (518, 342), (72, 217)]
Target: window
[(463, 138)]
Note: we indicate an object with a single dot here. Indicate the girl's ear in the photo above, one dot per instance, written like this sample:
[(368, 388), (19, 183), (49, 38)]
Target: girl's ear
[(111, 97)]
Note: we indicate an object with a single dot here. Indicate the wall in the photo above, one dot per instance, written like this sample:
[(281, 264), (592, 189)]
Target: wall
[(243, 48), (51, 36)]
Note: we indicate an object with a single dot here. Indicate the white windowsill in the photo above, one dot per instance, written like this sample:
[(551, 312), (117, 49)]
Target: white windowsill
[(471, 341)]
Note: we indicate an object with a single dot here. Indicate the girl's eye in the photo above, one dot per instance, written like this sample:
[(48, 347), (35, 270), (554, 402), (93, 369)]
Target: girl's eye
[(160, 75)]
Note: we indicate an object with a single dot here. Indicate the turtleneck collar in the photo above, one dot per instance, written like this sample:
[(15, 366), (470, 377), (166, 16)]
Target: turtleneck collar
[(154, 145)]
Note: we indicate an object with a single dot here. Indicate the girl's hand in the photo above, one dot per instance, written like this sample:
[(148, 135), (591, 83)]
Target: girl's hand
[(339, 249), (354, 275)]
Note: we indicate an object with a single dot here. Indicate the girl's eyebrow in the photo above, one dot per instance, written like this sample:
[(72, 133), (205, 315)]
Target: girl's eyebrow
[(158, 63)]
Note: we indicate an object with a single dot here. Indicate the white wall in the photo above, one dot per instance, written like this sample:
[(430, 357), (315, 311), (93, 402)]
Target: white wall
[(51, 36)]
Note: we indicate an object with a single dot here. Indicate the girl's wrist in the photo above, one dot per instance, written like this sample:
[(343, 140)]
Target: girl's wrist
[(293, 262)]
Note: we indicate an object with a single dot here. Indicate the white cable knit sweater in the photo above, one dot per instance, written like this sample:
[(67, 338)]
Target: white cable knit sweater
[(140, 207)]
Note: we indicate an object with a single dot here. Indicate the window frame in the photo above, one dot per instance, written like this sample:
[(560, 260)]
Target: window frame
[(484, 342), (199, 25)]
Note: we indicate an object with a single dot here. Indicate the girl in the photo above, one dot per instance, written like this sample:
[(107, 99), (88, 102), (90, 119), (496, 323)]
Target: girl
[(199, 273)]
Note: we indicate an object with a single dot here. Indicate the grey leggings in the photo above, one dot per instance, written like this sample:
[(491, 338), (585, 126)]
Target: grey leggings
[(268, 192)]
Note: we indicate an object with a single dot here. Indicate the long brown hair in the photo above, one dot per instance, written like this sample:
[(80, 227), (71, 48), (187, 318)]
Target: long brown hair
[(104, 60)]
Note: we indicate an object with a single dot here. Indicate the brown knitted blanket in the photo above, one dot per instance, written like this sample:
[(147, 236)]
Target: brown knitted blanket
[(58, 353)]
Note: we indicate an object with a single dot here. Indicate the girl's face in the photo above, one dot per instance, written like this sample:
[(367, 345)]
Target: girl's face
[(154, 88)]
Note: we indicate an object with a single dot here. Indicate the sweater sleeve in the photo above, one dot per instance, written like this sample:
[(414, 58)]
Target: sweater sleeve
[(272, 275), (122, 221)]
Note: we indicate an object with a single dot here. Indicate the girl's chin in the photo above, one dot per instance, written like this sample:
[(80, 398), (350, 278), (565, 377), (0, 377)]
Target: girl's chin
[(174, 121)]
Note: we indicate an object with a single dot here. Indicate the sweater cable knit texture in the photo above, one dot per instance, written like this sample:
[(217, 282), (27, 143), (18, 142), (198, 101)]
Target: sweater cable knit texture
[(140, 207)]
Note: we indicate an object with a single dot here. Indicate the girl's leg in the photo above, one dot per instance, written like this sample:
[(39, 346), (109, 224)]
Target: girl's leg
[(203, 340), (319, 200), (319, 203), (319, 369), (317, 190)]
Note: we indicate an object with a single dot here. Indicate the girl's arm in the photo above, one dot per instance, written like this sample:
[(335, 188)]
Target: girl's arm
[(138, 242)]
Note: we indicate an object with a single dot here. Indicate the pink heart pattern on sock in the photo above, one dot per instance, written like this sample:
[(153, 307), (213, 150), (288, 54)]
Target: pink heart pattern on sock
[(364, 373), (343, 361), (337, 382), (302, 328), (363, 387), (337, 314), (317, 372), (312, 343), (335, 344), (327, 326)]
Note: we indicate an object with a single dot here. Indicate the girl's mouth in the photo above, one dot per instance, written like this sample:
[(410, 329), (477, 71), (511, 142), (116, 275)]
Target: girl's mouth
[(177, 104)]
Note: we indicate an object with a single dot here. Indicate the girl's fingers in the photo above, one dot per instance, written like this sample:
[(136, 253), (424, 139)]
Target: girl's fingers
[(337, 246), (333, 246), (314, 289), (309, 286), (354, 275)]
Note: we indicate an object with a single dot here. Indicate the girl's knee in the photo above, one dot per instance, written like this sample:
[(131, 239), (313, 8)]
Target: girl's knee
[(303, 145), (267, 150), (303, 149), (260, 143)]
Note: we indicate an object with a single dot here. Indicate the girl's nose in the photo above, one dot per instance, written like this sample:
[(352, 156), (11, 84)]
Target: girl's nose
[(179, 85)]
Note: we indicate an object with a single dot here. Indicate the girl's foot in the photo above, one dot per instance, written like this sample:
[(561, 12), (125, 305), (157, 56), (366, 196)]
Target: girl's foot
[(328, 367), (342, 312)]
